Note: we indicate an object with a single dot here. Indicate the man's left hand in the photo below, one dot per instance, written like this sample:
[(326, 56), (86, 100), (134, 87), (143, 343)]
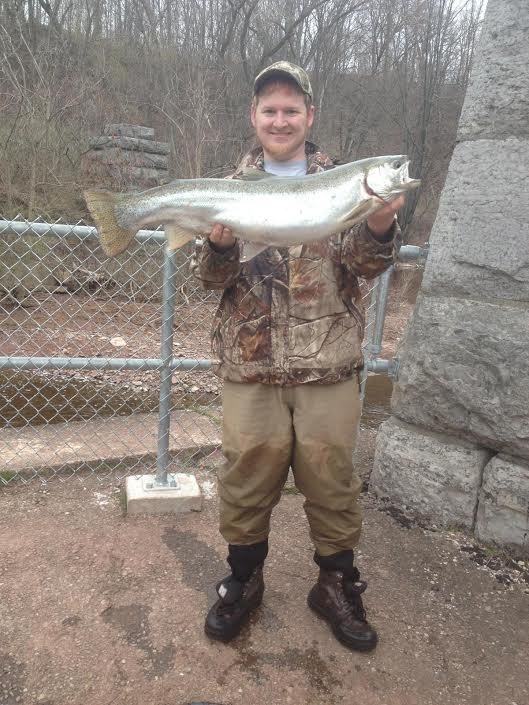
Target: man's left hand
[(381, 221)]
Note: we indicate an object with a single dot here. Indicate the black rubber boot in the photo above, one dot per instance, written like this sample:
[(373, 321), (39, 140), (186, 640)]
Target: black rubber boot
[(337, 598), (239, 594)]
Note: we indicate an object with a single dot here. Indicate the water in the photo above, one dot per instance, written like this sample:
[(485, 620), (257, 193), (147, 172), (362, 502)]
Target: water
[(32, 398), (377, 400)]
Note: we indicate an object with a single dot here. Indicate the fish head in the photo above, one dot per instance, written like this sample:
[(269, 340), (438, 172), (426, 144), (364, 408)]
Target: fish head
[(387, 177)]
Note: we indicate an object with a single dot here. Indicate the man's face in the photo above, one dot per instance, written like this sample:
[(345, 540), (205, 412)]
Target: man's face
[(282, 121)]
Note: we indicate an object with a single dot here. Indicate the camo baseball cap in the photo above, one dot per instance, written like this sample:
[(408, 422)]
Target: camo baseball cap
[(285, 68)]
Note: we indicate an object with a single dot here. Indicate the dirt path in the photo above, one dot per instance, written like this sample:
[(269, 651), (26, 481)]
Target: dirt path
[(99, 608)]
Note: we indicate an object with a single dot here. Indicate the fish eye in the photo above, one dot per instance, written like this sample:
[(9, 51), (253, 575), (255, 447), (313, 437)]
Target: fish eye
[(397, 164)]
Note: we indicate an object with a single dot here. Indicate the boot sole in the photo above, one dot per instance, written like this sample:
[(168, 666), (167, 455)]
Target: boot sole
[(231, 634), (322, 614)]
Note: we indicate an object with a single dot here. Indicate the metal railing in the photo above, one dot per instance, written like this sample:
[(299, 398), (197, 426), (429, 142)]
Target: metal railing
[(47, 267)]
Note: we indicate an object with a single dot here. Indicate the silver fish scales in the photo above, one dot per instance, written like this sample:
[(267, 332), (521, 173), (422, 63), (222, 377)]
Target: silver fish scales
[(261, 209)]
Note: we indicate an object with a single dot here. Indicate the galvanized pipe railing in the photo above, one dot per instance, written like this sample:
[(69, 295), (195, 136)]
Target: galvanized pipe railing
[(164, 419), (23, 227)]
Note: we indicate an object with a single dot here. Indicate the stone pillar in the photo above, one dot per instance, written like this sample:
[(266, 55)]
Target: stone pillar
[(126, 158), (462, 397)]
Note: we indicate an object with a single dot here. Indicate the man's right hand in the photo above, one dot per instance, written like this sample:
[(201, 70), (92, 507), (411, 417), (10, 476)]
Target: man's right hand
[(221, 237)]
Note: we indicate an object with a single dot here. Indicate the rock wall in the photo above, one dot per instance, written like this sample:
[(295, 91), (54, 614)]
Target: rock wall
[(126, 158), (457, 448)]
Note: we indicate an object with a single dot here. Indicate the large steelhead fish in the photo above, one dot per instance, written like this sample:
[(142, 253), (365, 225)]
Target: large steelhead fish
[(261, 209)]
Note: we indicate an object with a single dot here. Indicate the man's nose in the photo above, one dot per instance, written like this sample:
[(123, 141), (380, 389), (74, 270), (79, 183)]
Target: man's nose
[(280, 119)]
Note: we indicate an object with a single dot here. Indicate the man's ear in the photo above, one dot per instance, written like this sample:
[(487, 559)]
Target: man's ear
[(253, 108), (310, 116)]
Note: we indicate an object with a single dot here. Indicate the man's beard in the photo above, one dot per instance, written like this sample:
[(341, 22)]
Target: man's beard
[(279, 150)]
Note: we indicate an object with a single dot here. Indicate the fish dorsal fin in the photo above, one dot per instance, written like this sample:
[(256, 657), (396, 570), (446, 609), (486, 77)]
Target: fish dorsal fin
[(251, 249), (176, 236), (252, 174)]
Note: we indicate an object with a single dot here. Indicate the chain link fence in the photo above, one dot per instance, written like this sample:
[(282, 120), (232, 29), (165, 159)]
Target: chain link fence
[(104, 362)]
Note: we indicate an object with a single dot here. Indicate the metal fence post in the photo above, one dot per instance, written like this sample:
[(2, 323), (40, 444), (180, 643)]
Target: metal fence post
[(375, 319), (166, 354), (380, 312)]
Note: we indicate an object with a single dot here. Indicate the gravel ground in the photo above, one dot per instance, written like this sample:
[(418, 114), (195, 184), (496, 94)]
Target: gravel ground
[(98, 608)]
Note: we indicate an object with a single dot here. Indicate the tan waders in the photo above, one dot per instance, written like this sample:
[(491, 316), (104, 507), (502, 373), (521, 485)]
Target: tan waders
[(311, 428), (268, 429)]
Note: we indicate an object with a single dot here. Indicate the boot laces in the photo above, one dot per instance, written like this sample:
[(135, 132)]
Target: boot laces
[(353, 597), (230, 592)]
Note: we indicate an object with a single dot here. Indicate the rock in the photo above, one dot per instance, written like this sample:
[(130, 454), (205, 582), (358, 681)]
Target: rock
[(435, 476), (479, 245), (124, 130), (148, 176), (132, 143), (503, 510), (117, 156), (497, 99), (464, 371), (81, 279), (465, 358)]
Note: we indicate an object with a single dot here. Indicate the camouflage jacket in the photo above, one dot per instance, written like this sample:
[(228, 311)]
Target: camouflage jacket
[(293, 315)]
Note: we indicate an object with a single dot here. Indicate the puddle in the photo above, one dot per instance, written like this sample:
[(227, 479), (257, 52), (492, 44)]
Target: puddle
[(377, 401)]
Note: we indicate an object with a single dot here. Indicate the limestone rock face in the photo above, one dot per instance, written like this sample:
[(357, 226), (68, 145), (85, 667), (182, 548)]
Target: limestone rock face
[(503, 513), (497, 98), (435, 476), (464, 371), (480, 240), (464, 363)]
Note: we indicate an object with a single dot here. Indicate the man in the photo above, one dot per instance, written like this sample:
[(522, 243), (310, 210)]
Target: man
[(288, 335)]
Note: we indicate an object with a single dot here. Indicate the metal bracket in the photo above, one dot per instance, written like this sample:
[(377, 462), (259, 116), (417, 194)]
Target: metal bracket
[(171, 483)]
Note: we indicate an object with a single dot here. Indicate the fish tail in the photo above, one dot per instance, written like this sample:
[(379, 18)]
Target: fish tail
[(114, 239)]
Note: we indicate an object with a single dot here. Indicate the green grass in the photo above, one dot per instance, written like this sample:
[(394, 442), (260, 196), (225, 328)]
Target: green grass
[(121, 497), (7, 476), (192, 405), (290, 489)]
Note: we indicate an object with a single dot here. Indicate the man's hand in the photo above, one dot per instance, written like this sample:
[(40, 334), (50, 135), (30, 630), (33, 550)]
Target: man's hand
[(380, 222), (221, 237)]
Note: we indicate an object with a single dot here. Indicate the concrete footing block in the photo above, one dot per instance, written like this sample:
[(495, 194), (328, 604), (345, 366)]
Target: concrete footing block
[(145, 496)]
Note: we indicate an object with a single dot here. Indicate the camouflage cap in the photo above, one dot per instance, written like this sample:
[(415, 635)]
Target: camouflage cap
[(284, 68)]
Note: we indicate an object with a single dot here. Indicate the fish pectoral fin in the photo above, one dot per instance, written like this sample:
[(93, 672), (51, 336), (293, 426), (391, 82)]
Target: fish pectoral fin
[(251, 249), (176, 236), (253, 174), (357, 213)]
